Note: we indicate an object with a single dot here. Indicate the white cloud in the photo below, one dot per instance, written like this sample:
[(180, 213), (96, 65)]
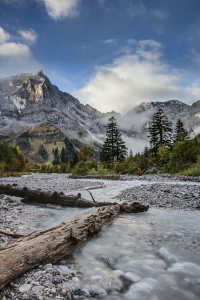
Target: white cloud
[(111, 41), (58, 9), (29, 35), (137, 75), (4, 36), (15, 57), (14, 49)]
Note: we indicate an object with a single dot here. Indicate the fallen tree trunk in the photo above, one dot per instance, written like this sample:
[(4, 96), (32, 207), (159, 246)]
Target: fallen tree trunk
[(53, 243), (41, 197)]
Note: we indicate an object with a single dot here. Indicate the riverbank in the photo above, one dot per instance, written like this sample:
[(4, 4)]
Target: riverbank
[(163, 195), (106, 267)]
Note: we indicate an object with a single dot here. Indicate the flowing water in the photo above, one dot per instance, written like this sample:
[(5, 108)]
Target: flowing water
[(152, 255)]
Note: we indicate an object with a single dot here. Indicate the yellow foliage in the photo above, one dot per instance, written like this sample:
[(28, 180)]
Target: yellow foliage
[(163, 154), (27, 167), (139, 172), (84, 154), (18, 151), (16, 164)]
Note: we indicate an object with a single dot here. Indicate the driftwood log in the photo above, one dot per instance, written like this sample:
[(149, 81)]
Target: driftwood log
[(41, 197), (53, 243)]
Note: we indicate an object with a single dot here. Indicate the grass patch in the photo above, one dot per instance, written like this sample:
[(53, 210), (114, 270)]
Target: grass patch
[(13, 174), (192, 171)]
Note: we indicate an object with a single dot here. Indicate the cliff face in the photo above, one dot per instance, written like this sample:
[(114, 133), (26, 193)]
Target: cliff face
[(30, 99)]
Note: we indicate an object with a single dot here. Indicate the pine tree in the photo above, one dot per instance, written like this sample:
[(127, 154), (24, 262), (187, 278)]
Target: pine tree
[(75, 159), (43, 152), (56, 159), (62, 155), (180, 133), (131, 153), (114, 148), (160, 131)]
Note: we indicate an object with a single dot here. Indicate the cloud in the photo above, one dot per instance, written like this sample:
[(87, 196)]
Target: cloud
[(15, 57), (4, 36), (160, 14), (58, 9), (111, 41), (138, 75), (29, 35)]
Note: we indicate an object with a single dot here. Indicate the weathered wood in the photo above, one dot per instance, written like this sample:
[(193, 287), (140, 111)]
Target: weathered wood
[(41, 197), (53, 243), (14, 235)]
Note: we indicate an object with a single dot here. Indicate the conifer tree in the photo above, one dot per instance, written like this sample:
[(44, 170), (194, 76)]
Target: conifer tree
[(180, 133), (160, 131), (43, 152), (75, 159), (63, 156), (56, 159), (114, 148)]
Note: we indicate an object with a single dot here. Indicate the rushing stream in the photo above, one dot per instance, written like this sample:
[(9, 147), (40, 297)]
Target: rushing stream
[(152, 255)]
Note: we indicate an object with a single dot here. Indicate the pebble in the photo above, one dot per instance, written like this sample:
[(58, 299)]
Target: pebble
[(164, 195)]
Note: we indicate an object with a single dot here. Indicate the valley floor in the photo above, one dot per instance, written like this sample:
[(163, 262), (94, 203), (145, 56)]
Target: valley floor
[(64, 279)]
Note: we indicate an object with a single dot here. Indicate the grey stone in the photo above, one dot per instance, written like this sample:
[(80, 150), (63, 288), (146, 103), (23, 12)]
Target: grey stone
[(96, 290), (25, 288)]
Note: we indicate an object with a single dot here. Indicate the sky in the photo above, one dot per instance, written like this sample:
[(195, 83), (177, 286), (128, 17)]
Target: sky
[(111, 54)]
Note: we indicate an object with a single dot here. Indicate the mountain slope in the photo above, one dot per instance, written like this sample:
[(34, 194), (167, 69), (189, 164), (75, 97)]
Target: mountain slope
[(30, 99)]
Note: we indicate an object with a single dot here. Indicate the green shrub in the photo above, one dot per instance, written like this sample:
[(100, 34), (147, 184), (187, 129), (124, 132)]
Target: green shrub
[(102, 171), (63, 168), (80, 169), (92, 172), (56, 169), (154, 171), (183, 155), (89, 164), (192, 171)]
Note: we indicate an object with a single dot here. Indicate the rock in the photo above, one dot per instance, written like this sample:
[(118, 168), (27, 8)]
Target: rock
[(37, 289), (118, 273), (95, 290), (64, 270), (107, 260), (52, 271), (75, 279), (63, 292), (132, 277), (115, 284), (53, 290), (25, 288)]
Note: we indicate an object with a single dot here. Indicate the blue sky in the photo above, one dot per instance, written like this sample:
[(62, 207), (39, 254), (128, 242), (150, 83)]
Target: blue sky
[(112, 54)]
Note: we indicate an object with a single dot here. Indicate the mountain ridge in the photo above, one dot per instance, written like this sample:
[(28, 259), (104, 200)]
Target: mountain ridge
[(30, 99)]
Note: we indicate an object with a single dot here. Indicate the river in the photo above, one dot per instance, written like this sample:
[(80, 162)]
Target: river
[(152, 255)]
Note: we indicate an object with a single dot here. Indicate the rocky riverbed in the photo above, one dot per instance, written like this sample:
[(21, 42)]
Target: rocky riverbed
[(107, 268), (164, 195), (51, 182)]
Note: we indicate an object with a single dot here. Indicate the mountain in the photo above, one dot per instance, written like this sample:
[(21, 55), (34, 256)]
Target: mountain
[(137, 120), (33, 111), (30, 99)]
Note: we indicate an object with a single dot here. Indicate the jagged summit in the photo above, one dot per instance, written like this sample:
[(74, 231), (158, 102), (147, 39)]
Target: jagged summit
[(30, 99)]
